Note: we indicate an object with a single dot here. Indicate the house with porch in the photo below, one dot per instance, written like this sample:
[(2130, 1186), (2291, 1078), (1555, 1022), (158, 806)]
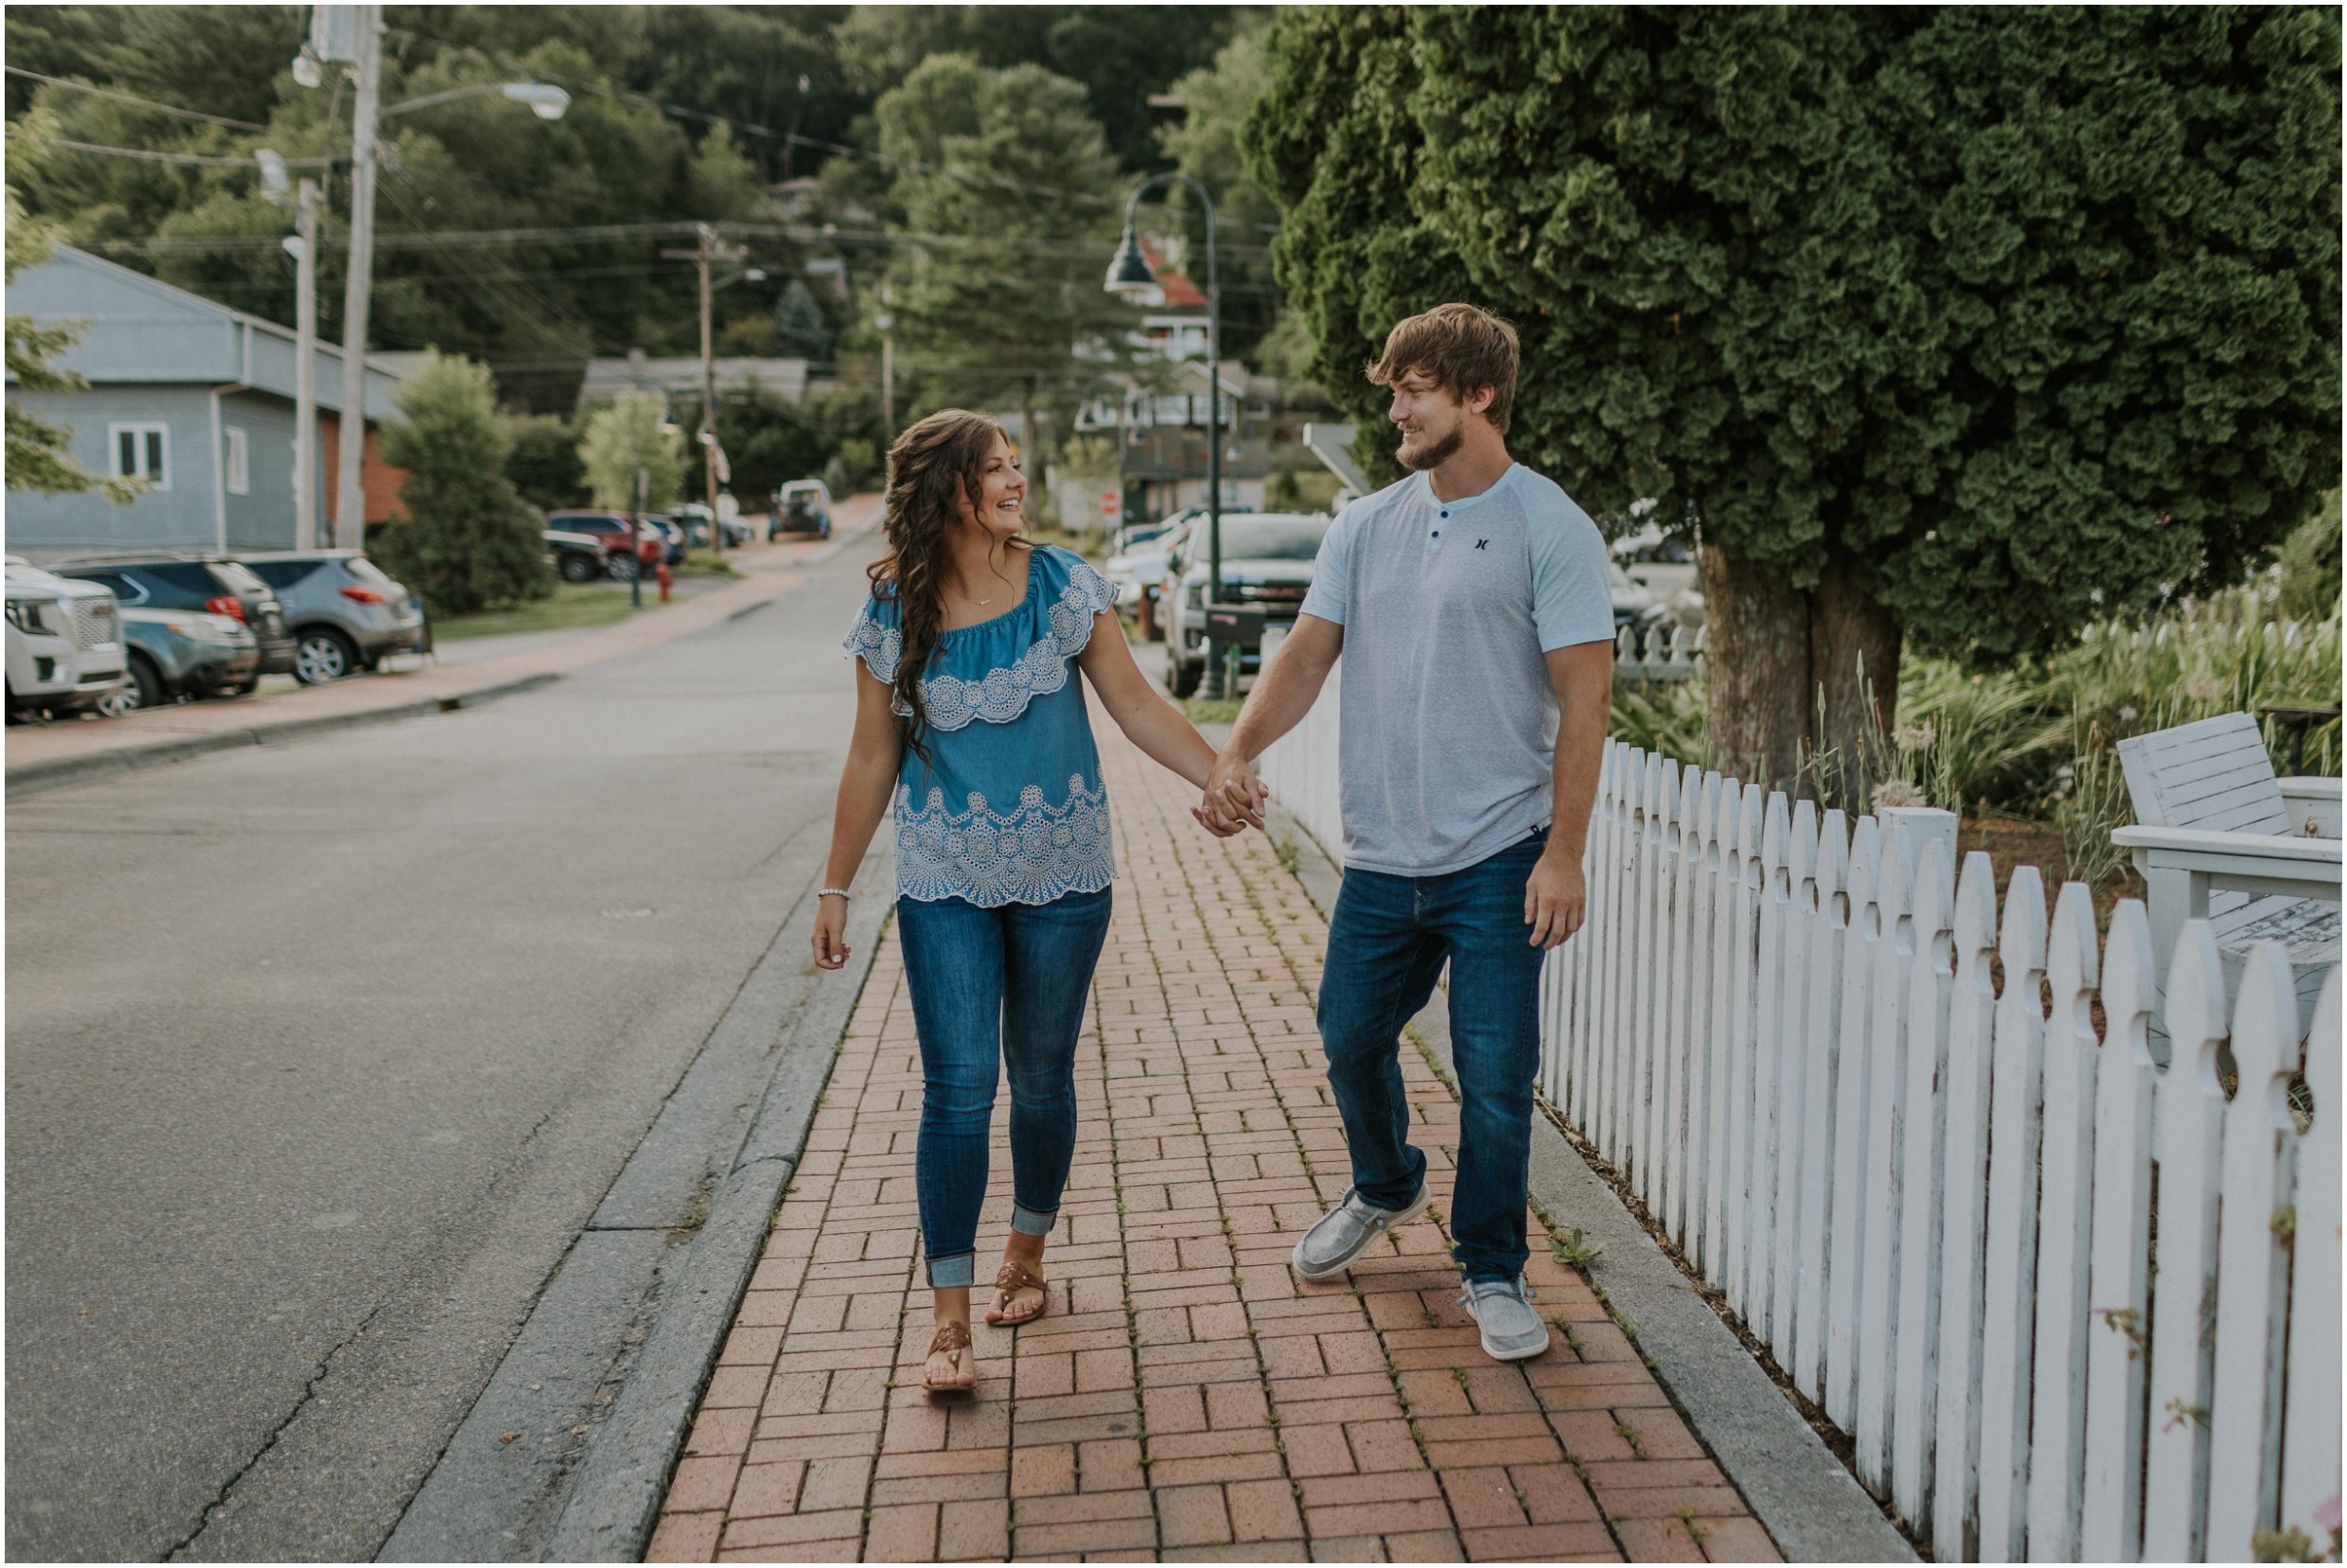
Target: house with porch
[(191, 396)]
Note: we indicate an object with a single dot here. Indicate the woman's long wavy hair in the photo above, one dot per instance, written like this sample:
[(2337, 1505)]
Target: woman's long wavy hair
[(932, 466)]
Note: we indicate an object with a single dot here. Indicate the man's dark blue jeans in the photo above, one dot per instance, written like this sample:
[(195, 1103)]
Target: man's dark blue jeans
[(1387, 943)]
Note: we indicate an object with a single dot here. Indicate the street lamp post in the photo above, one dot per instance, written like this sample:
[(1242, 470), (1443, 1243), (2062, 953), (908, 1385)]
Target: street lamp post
[(303, 247), (306, 486), (1129, 275), (350, 490)]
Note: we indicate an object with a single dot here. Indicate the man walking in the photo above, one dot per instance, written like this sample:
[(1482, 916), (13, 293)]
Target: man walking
[(1470, 603)]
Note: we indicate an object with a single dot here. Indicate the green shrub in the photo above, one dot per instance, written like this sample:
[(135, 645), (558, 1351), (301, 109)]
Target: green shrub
[(469, 542), (2309, 585)]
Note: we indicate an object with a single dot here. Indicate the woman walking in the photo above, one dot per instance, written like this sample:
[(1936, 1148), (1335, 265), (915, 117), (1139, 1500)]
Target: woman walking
[(967, 722)]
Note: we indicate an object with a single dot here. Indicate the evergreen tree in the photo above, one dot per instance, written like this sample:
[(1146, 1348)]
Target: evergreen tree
[(1006, 180), (468, 543), (1957, 325), (39, 454), (799, 329)]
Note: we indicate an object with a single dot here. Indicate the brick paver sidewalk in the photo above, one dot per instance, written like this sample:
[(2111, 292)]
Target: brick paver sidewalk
[(1185, 1396)]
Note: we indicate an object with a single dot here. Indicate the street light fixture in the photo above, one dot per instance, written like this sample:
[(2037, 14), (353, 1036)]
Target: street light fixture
[(1130, 277), (545, 101)]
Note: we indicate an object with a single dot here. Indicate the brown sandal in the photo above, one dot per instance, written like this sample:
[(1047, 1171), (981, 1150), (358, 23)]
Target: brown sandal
[(1017, 1276), (953, 1338)]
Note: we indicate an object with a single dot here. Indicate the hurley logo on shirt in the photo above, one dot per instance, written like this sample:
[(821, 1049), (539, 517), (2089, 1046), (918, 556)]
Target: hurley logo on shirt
[(1481, 543)]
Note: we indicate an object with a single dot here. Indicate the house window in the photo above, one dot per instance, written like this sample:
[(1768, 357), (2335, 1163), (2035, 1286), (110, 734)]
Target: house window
[(142, 451), (236, 461)]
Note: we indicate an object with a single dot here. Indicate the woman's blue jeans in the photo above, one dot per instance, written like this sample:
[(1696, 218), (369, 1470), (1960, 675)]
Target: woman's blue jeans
[(990, 987), (1387, 943)]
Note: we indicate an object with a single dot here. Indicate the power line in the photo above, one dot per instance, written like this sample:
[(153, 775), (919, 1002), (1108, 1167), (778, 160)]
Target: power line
[(512, 296), (790, 138), (586, 234), (201, 159), (143, 103)]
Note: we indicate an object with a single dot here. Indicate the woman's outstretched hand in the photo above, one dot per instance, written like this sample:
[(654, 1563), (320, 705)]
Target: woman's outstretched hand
[(830, 941)]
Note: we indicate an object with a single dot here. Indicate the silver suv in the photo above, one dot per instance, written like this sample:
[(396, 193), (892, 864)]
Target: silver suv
[(344, 612)]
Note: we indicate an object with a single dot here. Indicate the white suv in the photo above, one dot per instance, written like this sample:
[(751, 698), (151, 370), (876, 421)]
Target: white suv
[(64, 642)]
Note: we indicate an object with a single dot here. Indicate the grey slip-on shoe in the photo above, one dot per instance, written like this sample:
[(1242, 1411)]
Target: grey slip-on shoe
[(1346, 1231), (1503, 1311)]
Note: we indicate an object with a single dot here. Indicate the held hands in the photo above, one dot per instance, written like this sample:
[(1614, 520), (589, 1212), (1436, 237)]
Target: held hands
[(1555, 899), (1233, 800), (831, 932)]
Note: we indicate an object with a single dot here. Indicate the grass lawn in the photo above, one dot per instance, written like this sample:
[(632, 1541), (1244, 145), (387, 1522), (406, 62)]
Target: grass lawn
[(574, 604), (1201, 710), (708, 563)]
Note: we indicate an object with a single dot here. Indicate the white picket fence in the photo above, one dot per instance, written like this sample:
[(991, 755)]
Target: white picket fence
[(1940, 1200)]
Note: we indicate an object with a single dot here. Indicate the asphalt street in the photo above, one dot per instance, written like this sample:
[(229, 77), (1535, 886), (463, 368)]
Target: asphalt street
[(320, 1055)]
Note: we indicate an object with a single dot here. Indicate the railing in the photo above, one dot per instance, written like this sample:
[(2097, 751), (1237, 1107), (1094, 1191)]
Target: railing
[(1879, 1117), (1661, 653)]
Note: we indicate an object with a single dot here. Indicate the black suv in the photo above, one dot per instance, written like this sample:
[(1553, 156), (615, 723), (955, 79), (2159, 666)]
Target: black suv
[(212, 583)]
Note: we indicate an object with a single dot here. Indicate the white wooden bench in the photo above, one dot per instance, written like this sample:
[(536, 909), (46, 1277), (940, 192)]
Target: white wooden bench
[(2218, 837)]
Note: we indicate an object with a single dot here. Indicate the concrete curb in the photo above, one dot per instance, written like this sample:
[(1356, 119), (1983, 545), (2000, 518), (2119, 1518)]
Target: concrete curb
[(1811, 1506), (633, 1317), (34, 777), (615, 1496)]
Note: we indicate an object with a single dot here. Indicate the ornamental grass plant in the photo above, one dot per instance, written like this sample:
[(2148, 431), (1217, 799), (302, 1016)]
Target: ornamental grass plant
[(2036, 739)]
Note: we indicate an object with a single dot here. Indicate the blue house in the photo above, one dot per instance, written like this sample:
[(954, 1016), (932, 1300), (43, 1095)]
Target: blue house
[(194, 398)]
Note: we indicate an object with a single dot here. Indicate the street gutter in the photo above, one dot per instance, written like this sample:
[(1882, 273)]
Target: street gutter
[(620, 1346), (34, 777)]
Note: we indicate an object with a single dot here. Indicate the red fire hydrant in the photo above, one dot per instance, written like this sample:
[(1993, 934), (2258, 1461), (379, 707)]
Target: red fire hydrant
[(652, 553)]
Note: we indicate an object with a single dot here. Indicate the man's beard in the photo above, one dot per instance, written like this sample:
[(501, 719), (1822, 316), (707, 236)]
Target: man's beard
[(1433, 457)]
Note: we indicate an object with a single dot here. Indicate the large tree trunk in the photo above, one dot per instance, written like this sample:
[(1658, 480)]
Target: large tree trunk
[(1755, 669), (1772, 651), (1854, 649)]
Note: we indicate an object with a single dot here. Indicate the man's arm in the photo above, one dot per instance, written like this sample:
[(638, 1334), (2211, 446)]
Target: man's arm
[(1556, 900), (1284, 694)]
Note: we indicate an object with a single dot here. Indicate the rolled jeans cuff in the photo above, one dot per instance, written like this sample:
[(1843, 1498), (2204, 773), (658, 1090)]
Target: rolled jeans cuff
[(1030, 1222), (960, 1269)]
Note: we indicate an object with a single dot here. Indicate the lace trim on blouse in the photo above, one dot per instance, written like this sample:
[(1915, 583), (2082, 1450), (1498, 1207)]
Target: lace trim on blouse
[(1036, 853), (1002, 694)]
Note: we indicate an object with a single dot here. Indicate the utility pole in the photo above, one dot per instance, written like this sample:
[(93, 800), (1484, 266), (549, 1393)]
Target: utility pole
[(306, 487), (705, 254), (350, 488)]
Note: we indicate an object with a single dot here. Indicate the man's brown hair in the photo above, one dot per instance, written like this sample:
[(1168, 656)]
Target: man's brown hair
[(1462, 347)]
